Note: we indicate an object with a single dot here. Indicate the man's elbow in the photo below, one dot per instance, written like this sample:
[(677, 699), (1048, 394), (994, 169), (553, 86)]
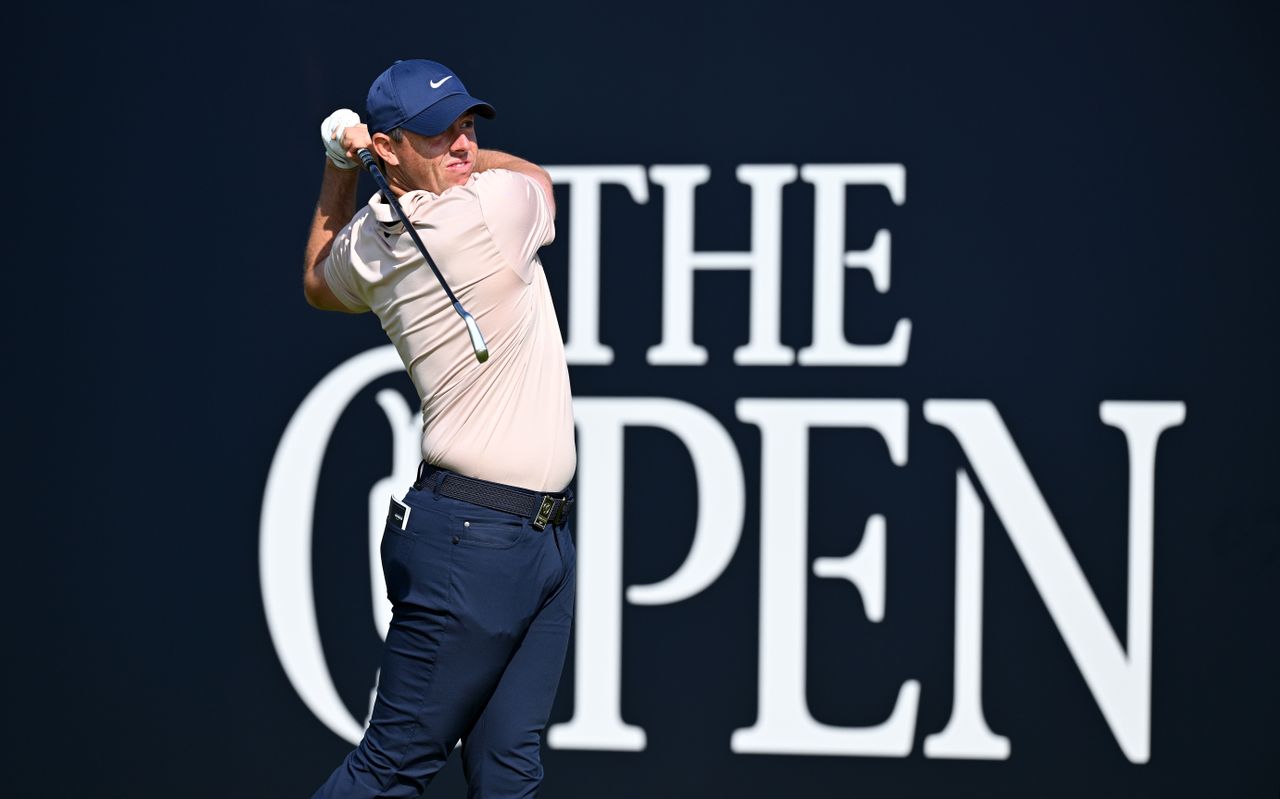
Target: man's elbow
[(309, 289), (312, 299), (316, 291), (320, 296), (543, 179)]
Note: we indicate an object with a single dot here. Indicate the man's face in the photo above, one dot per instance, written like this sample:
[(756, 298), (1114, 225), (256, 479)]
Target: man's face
[(437, 162)]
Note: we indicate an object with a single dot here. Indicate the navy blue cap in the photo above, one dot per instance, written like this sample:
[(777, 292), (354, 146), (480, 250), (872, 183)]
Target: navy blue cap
[(421, 96)]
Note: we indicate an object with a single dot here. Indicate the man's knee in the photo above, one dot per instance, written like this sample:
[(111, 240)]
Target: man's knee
[(370, 770), (503, 770)]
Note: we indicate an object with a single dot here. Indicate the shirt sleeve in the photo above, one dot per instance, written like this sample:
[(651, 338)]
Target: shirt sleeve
[(517, 215), (339, 275)]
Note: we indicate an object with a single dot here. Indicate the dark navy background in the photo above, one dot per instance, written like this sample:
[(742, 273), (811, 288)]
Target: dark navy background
[(1090, 216)]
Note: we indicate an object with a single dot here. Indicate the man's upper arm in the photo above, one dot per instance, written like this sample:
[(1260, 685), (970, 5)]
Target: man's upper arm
[(519, 216), (329, 284), (316, 288), (548, 193)]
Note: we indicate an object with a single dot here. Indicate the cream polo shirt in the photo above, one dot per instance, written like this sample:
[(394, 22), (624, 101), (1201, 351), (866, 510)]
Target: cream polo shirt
[(509, 420)]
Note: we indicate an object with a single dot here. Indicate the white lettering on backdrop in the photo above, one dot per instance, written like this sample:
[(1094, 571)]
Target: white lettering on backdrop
[(764, 261), (1119, 677)]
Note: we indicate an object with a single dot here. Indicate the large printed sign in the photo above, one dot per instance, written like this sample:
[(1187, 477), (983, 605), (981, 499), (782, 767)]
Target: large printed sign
[(1116, 672)]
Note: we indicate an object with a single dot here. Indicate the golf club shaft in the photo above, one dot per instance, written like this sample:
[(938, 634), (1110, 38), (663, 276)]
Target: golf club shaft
[(473, 330)]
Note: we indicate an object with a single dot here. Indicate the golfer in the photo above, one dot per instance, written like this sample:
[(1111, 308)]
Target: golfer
[(478, 558)]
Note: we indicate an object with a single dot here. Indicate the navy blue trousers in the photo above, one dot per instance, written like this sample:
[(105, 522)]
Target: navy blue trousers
[(482, 608)]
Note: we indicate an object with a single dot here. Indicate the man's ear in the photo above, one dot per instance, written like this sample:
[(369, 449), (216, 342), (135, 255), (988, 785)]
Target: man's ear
[(383, 148)]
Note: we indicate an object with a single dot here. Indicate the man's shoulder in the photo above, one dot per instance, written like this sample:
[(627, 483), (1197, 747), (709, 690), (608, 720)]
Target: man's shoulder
[(507, 196), (500, 181)]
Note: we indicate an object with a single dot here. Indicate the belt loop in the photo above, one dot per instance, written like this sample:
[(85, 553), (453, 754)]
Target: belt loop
[(562, 511)]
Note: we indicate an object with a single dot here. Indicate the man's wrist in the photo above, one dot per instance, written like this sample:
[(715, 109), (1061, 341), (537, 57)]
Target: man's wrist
[(330, 168)]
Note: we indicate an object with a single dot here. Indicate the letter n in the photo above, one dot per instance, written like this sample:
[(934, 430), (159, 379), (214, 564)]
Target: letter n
[(1118, 677)]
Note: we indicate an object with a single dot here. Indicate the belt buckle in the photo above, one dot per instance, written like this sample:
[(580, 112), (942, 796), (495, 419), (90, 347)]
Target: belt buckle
[(544, 513)]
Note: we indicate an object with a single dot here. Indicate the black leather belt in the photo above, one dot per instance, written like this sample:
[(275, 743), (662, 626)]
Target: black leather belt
[(541, 509)]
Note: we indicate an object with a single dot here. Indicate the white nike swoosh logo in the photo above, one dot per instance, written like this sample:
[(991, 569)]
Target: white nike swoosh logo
[(436, 84)]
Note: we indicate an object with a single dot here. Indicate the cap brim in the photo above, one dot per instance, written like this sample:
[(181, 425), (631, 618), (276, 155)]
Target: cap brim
[(437, 117)]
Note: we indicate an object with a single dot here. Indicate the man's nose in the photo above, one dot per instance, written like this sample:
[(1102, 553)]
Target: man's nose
[(463, 141)]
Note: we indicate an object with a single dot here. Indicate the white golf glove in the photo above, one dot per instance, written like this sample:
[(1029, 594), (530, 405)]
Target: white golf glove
[(331, 133)]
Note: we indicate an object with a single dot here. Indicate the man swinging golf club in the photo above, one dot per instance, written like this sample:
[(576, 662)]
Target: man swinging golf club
[(478, 558)]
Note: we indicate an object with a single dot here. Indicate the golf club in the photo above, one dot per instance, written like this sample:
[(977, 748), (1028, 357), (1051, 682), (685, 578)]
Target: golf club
[(477, 340)]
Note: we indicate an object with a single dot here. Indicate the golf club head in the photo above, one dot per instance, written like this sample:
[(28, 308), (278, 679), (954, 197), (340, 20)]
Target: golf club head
[(477, 339)]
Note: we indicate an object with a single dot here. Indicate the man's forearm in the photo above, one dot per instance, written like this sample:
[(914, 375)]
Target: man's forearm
[(496, 159)]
